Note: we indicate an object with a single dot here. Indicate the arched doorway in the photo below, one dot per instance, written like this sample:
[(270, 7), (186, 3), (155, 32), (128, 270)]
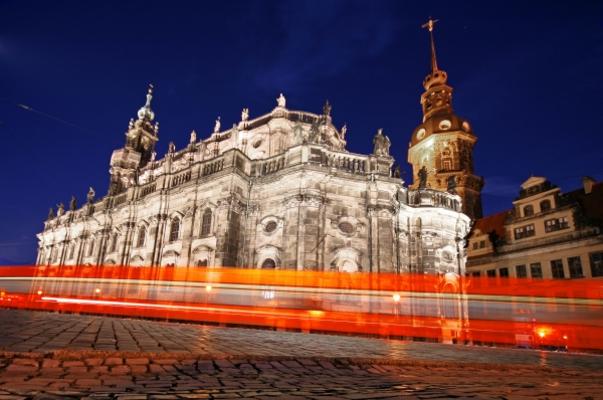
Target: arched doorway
[(269, 263)]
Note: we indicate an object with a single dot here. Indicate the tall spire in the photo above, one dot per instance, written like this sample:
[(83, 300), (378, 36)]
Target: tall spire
[(429, 25)]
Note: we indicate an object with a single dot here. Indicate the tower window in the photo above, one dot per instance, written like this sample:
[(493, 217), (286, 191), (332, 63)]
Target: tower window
[(90, 247), (528, 211), (175, 229)]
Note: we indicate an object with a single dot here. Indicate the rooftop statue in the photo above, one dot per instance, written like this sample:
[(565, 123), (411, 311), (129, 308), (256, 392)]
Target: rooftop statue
[(90, 195), (381, 144), (217, 125), (281, 101), (73, 203), (193, 136), (245, 114), (344, 130)]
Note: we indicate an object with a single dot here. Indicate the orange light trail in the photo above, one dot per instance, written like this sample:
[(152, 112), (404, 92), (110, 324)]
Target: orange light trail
[(514, 312)]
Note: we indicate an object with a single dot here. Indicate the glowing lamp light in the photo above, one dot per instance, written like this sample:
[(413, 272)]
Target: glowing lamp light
[(97, 290), (564, 337), (396, 297), (208, 288), (40, 292), (2, 294), (541, 333), (316, 313)]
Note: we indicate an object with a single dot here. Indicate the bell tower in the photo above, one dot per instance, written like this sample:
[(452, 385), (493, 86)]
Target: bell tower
[(141, 137), (441, 147)]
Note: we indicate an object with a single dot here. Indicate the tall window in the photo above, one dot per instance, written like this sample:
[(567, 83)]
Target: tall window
[(557, 269), (90, 247), (575, 267), (503, 272), (545, 205), (596, 264), (71, 251), (174, 229), (206, 223), (491, 273), (142, 233), (521, 271), (528, 211), (536, 270)]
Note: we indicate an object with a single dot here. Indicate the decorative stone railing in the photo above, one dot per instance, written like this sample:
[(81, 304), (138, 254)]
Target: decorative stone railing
[(433, 198), (180, 179), (213, 167)]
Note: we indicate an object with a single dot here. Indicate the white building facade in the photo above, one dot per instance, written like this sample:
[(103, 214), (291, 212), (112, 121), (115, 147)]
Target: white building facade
[(277, 191)]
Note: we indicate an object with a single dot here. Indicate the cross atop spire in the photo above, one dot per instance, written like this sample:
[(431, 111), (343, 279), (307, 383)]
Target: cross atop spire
[(429, 25)]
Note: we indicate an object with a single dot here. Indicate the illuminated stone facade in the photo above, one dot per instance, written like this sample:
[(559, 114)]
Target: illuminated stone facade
[(277, 191)]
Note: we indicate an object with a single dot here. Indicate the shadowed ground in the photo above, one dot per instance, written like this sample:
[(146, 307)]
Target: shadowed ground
[(50, 355)]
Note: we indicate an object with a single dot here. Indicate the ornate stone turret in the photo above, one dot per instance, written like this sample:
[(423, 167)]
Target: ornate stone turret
[(141, 137), (440, 149)]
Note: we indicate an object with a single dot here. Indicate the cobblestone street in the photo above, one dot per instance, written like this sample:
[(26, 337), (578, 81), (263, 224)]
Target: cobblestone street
[(52, 356)]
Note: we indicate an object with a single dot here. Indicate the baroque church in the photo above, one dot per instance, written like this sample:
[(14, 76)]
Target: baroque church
[(280, 191)]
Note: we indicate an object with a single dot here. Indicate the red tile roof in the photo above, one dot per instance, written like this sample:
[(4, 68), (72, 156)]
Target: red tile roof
[(494, 222)]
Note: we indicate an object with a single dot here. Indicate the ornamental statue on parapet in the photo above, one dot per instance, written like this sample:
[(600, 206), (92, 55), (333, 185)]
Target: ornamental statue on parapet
[(381, 144), (281, 101)]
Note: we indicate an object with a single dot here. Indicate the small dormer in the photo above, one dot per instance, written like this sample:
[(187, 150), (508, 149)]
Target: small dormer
[(536, 196)]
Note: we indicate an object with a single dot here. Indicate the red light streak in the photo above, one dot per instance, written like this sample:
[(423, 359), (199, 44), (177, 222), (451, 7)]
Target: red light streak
[(474, 310)]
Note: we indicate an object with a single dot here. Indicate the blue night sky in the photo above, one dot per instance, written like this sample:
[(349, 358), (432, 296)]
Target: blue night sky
[(528, 75)]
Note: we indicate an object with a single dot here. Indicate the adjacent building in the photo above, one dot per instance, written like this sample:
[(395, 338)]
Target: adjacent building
[(547, 234)]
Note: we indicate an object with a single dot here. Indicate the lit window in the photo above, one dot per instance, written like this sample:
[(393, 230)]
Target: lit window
[(524, 231), (555, 224)]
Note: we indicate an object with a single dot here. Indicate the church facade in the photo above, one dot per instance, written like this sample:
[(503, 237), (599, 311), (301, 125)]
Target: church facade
[(277, 191)]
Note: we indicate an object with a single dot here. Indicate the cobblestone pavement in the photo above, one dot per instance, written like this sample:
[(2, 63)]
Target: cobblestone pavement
[(58, 356)]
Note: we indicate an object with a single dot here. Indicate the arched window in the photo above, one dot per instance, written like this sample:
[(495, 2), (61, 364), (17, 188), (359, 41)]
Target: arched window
[(269, 263), (545, 205), (90, 247), (202, 263), (175, 229), (206, 223), (528, 211), (142, 233)]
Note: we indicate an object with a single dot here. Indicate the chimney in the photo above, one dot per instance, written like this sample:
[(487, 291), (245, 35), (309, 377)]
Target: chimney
[(588, 184)]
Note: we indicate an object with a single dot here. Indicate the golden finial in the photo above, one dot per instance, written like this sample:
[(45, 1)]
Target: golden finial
[(429, 25)]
